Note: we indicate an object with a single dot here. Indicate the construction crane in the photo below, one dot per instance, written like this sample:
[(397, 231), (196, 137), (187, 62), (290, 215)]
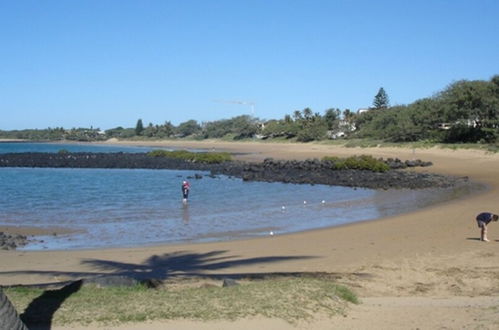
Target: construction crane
[(251, 104)]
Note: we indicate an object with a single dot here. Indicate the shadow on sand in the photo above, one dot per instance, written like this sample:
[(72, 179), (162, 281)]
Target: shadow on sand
[(39, 313), (162, 267), (182, 263)]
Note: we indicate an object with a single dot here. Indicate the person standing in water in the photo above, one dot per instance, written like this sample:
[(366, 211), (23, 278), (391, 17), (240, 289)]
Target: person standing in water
[(185, 190)]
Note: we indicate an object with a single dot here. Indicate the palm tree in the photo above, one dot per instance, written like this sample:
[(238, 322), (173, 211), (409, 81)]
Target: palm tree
[(307, 114), (8, 315), (297, 115)]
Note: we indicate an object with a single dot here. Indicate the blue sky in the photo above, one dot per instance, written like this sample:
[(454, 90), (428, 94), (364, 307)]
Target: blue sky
[(107, 63)]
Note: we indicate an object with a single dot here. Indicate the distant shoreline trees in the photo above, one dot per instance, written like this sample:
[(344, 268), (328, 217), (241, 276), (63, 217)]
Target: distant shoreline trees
[(465, 111), (381, 100), (139, 127)]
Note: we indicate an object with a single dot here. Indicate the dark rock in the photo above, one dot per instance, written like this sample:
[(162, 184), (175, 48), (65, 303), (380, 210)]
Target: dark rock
[(105, 281), (153, 283), (229, 282), (311, 171), (12, 241)]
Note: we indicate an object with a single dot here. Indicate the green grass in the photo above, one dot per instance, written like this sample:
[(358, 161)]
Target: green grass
[(199, 157), (288, 298), (362, 162), (424, 144)]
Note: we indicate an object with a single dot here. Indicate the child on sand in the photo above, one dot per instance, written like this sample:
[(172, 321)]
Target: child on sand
[(483, 220)]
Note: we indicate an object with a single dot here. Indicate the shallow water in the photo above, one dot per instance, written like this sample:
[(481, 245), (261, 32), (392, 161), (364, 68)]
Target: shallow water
[(6, 147), (124, 207)]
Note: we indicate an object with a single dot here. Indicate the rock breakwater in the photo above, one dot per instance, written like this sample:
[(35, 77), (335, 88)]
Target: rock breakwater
[(308, 171)]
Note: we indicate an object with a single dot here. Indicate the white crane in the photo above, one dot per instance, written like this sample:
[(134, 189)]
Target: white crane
[(250, 103)]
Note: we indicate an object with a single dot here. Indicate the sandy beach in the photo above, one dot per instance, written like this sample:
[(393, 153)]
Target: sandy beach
[(426, 269)]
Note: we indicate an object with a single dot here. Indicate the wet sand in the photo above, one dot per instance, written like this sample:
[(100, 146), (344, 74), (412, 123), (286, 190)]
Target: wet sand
[(430, 257)]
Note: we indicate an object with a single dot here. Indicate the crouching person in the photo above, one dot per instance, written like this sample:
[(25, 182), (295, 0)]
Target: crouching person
[(483, 220)]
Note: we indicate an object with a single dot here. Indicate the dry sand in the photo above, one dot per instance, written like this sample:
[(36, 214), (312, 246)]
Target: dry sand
[(426, 269)]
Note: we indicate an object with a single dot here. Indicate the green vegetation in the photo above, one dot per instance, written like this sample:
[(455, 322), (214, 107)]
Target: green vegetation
[(304, 125), (55, 134), (381, 100), (291, 299), (237, 128), (462, 113), (362, 162), (423, 144), (198, 157), (466, 111), (139, 127)]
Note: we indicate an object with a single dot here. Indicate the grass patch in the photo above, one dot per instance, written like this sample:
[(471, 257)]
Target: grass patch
[(287, 298), (199, 157), (362, 162), (423, 144)]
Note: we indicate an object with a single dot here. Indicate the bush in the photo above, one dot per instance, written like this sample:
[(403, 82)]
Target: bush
[(363, 162), (200, 157)]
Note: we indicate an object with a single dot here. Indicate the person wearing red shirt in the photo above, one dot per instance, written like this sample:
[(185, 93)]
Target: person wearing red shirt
[(185, 190)]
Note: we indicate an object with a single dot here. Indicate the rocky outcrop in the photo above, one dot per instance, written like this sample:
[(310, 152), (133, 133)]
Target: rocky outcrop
[(12, 241), (320, 172), (308, 171)]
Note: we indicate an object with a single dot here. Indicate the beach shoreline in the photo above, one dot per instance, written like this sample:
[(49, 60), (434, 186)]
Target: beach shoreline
[(429, 253), (38, 234)]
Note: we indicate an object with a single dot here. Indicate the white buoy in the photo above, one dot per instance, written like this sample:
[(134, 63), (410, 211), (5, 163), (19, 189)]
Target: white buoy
[(323, 202), (304, 202), (283, 207), (271, 233)]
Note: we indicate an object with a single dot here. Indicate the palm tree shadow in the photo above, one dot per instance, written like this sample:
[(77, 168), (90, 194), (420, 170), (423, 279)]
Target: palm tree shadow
[(181, 263), (38, 315), (162, 267)]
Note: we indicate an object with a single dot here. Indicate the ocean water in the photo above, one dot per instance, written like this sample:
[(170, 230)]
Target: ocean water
[(6, 147), (123, 207)]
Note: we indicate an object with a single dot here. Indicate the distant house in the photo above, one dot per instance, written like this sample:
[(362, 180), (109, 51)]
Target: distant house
[(468, 122), (362, 110), (335, 135), (444, 126), (344, 127)]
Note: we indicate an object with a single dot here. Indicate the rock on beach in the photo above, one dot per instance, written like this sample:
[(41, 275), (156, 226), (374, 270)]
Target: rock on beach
[(12, 241)]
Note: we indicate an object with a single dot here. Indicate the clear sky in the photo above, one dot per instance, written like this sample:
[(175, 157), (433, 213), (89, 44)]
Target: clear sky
[(107, 63)]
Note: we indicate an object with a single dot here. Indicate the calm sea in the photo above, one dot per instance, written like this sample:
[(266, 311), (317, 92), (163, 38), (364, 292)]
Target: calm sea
[(121, 207), (6, 147)]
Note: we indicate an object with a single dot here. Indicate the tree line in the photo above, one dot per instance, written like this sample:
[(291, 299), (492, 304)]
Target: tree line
[(465, 111)]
